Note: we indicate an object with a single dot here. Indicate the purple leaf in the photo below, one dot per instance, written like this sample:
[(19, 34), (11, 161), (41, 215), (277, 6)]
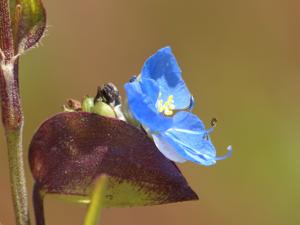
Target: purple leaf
[(70, 150)]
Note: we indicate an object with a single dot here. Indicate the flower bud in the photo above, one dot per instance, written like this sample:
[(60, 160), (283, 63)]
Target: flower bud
[(87, 104), (103, 109)]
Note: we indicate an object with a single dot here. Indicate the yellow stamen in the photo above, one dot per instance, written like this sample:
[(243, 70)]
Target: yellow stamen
[(167, 107)]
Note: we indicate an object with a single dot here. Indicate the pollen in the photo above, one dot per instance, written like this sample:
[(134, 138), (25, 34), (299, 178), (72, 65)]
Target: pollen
[(167, 107)]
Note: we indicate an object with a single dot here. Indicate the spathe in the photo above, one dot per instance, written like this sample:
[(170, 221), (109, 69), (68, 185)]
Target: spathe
[(70, 150)]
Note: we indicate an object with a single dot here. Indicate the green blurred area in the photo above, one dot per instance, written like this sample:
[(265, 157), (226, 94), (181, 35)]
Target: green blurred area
[(241, 60)]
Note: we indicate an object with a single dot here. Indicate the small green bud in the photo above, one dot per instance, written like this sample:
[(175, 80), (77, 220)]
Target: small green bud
[(103, 109), (87, 104)]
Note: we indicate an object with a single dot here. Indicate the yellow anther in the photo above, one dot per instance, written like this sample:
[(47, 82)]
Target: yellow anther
[(168, 112), (167, 107)]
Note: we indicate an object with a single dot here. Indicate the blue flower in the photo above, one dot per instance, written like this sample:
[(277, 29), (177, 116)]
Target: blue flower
[(160, 100)]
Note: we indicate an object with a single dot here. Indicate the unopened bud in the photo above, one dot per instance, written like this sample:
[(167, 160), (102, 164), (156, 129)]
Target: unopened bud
[(103, 109), (87, 104)]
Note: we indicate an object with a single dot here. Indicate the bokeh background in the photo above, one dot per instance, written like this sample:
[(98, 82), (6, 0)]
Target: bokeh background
[(240, 59)]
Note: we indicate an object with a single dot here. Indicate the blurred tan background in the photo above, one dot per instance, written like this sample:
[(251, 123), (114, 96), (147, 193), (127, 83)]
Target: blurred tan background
[(241, 60)]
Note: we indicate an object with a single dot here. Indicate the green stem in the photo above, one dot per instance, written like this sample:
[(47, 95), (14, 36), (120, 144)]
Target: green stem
[(97, 200), (17, 176), (12, 118)]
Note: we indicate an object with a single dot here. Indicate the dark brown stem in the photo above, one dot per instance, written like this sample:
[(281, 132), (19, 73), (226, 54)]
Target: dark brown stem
[(6, 38), (38, 203)]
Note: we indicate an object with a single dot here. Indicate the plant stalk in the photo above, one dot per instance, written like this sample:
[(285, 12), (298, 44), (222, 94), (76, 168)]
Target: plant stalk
[(12, 118), (12, 115), (38, 203), (93, 214)]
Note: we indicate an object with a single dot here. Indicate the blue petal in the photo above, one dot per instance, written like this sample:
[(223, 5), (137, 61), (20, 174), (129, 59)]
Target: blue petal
[(150, 89), (190, 139), (162, 67), (144, 110)]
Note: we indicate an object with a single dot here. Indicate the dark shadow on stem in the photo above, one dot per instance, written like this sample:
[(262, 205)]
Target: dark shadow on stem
[(38, 204)]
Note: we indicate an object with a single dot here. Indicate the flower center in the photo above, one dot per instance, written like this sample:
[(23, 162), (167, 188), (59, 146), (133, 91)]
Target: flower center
[(167, 107)]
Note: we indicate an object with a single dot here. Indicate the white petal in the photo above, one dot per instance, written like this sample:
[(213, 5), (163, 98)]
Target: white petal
[(167, 150)]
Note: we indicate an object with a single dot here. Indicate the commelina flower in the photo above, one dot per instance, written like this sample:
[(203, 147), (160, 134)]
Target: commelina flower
[(161, 102)]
